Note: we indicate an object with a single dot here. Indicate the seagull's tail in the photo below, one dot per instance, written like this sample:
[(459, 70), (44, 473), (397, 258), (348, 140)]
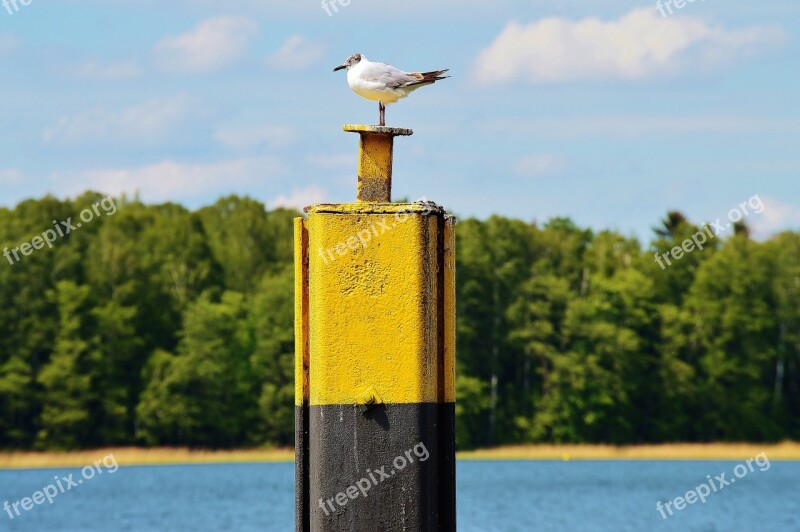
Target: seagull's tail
[(426, 78)]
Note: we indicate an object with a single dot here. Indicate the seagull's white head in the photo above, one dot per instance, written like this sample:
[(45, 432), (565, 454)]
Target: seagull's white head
[(350, 62)]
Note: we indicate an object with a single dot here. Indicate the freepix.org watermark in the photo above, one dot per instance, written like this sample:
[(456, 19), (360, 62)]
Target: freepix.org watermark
[(709, 232), (715, 485), (331, 7), (376, 476), (665, 8), (60, 230), (377, 228), (12, 6), (60, 486)]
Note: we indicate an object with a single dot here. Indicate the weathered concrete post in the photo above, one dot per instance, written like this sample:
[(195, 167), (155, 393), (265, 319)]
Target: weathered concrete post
[(375, 362)]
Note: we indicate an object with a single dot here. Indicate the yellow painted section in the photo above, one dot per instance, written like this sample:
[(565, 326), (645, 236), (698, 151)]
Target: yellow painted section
[(375, 152), (396, 209), (301, 312), (375, 292), (379, 304), (375, 168), (449, 309)]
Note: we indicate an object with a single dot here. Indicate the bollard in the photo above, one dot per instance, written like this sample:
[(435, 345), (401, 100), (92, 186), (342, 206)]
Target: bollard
[(375, 357)]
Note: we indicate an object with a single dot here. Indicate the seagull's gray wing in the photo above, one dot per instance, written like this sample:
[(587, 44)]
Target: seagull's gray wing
[(388, 75)]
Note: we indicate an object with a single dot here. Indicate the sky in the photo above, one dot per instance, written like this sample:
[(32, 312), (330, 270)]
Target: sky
[(611, 113)]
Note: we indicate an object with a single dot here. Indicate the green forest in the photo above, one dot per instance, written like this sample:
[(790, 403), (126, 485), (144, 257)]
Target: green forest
[(160, 325)]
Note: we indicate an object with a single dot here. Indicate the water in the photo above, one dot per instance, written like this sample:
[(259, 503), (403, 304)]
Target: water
[(500, 495)]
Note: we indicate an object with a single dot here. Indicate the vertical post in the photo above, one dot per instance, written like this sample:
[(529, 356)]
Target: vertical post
[(301, 374), (376, 357), (376, 152)]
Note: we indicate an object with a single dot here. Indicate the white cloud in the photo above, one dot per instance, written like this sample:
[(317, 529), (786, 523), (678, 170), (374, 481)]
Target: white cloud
[(296, 53), (540, 165), (775, 217), (213, 44), (255, 136), (171, 180), (300, 198), (333, 162), (640, 44), (97, 71), (637, 126), (10, 176), (8, 43), (148, 121)]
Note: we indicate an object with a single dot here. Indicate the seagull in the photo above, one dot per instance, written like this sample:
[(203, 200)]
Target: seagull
[(384, 83)]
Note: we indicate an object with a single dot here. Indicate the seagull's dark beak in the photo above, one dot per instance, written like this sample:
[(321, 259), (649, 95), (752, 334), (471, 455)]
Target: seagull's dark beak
[(340, 67)]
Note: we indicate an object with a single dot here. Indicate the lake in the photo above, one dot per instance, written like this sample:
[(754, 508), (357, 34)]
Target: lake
[(613, 496)]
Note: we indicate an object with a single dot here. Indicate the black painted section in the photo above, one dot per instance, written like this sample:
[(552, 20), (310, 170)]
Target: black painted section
[(412, 444), (447, 423), (447, 466), (302, 513)]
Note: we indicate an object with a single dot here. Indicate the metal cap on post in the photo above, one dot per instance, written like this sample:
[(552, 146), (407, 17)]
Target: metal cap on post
[(375, 161)]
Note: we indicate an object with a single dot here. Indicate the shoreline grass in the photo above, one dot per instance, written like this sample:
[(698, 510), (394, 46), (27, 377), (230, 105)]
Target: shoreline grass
[(137, 456), (670, 451)]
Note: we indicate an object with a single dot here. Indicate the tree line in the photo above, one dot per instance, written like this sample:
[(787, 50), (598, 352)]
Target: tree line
[(164, 326)]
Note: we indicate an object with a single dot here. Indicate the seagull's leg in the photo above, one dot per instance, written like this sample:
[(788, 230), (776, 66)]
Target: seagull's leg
[(382, 110)]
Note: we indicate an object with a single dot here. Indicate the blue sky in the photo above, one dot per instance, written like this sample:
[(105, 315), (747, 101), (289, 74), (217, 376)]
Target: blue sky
[(607, 112)]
